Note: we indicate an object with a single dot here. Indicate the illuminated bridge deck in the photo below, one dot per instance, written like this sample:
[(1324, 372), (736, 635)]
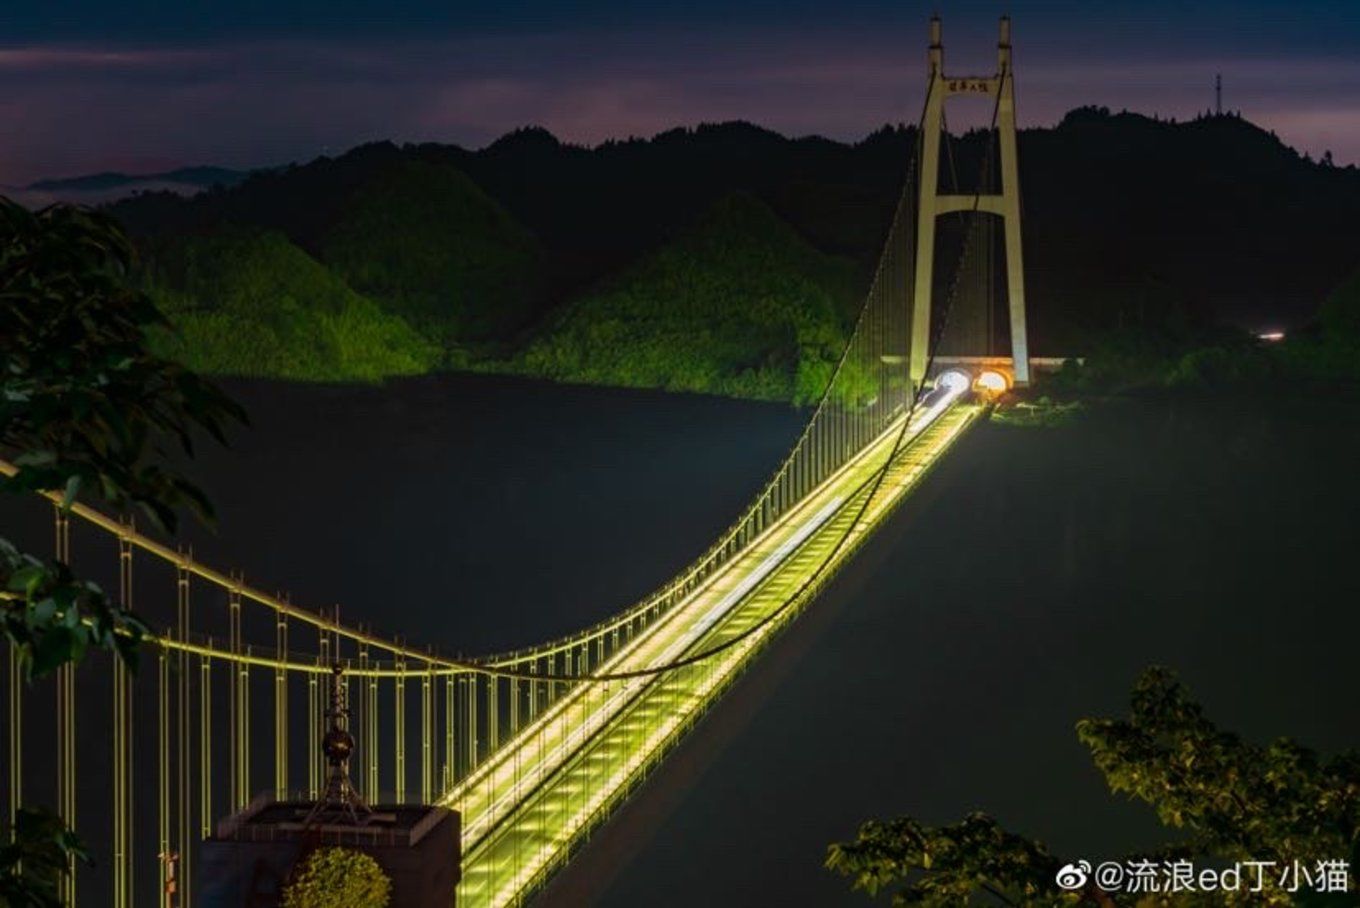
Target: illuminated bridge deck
[(535, 746), (526, 807)]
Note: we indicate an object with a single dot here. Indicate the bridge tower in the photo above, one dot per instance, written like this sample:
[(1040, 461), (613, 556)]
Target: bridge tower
[(933, 203)]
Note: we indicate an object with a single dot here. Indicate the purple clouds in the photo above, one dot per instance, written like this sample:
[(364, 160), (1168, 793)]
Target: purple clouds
[(81, 107)]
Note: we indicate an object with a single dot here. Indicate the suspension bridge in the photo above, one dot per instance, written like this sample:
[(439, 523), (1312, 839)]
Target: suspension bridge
[(533, 748)]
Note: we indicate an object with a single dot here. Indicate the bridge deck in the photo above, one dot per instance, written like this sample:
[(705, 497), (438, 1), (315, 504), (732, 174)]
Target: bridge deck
[(523, 810)]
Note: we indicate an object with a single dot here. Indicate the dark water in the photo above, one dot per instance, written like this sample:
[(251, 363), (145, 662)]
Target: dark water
[(476, 513), (1022, 587), (469, 513)]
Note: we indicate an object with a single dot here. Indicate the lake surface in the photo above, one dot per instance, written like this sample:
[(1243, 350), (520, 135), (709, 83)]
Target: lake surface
[(480, 513), (1022, 587), (1025, 586)]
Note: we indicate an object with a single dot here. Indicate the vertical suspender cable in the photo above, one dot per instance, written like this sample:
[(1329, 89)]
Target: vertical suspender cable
[(450, 755), (426, 730), (122, 749), (399, 704), (163, 775), (234, 704), (205, 748), (66, 725), (183, 842), (281, 709)]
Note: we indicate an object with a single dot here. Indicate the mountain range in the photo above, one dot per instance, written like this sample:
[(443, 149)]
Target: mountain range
[(594, 264)]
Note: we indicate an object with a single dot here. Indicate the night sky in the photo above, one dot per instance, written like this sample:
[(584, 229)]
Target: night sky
[(140, 86)]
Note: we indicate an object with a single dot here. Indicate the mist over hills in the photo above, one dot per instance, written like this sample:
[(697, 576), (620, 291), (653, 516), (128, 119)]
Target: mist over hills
[(198, 177), (498, 255), (111, 186)]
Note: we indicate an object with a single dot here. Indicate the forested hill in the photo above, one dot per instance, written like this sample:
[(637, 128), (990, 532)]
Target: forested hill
[(1130, 224)]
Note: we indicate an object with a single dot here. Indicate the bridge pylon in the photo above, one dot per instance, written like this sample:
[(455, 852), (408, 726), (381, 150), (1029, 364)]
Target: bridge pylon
[(1004, 204)]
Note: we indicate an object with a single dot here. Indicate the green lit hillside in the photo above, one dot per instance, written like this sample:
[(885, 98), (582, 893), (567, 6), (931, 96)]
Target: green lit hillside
[(428, 244), (252, 303), (737, 305), (719, 258)]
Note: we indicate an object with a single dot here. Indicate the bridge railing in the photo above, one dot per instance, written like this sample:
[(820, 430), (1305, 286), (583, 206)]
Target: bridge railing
[(236, 668), (234, 681)]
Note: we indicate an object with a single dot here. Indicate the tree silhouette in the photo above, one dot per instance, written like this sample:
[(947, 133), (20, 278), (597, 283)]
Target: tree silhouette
[(84, 408), (1228, 799)]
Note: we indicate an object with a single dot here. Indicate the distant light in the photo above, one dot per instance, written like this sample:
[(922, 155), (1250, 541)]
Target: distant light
[(1271, 337), (992, 381), (955, 380)]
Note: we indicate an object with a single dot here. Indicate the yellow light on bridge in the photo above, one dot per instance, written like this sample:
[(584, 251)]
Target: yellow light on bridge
[(992, 382)]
